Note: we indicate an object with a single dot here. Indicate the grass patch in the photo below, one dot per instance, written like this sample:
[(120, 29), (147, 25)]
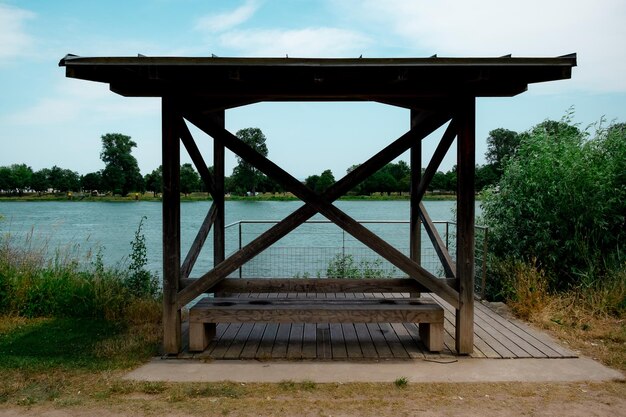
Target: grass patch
[(401, 382), (39, 345)]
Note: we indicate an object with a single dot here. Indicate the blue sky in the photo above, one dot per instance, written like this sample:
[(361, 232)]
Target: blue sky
[(47, 119)]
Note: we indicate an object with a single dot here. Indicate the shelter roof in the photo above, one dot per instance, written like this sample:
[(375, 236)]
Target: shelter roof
[(240, 81)]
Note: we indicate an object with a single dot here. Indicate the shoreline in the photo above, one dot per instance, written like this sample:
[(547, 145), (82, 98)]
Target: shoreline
[(203, 197)]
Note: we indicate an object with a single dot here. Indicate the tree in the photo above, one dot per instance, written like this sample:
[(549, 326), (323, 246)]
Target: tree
[(189, 179), (311, 181), (91, 182), (486, 176), (561, 203), (501, 146), (121, 173), (245, 176), (40, 181), (154, 181), (63, 180), (5, 179), (20, 177)]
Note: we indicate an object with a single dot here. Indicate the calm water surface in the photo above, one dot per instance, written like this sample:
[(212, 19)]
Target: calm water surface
[(85, 227)]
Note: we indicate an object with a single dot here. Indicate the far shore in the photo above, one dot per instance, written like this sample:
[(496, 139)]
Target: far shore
[(204, 196)]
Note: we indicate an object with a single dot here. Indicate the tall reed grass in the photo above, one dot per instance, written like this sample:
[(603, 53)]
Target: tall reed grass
[(34, 283)]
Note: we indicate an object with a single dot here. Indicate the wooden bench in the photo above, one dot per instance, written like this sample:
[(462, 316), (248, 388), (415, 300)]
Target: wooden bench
[(209, 311)]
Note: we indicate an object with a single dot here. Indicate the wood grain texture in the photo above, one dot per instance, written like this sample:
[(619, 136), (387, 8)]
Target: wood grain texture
[(288, 310), (465, 225)]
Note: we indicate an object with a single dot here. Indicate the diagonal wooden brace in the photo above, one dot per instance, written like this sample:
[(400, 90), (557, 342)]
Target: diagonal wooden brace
[(428, 124)]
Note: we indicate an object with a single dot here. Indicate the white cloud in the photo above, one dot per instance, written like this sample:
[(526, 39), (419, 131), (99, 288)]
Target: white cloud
[(307, 42), (214, 23), (594, 29), (14, 41), (75, 100)]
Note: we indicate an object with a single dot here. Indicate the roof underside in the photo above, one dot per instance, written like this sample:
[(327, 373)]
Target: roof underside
[(238, 81)]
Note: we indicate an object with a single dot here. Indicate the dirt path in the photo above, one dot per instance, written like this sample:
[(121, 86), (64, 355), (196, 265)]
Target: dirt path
[(467, 400)]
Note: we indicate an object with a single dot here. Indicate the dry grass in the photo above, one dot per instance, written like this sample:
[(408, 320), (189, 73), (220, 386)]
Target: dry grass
[(106, 392)]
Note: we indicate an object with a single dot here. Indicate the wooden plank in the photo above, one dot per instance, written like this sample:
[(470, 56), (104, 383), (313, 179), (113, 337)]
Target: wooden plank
[(227, 310), (318, 285), (266, 345), (198, 242), (465, 226), (282, 341), (511, 332), (251, 346), (393, 341), (438, 245), (353, 347), (225, 340), (239, 341), (309, 343), (337, 341), (491, 344), (294, 349), (172, 340), (379, 341), (365, 340), (322, 337)]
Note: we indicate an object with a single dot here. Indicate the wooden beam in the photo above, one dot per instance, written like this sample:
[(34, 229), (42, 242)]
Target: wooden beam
[(440, 247), (219, 233), (415, 228), (292, 221), (321, 205), (465, 226), (171, 226), (196, 157), (435, 161), (316, 285), (198, 243)]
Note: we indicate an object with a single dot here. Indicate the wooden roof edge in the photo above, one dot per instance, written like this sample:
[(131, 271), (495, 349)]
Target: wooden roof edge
[(569, 60)]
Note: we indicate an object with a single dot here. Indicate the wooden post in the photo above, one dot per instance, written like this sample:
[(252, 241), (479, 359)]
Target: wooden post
[(415, 228), (465, 226), (171, 227), (219, 232), (218, 197)]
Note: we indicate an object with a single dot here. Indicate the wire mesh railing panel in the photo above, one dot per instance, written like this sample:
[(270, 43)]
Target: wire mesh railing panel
[(322, 249)]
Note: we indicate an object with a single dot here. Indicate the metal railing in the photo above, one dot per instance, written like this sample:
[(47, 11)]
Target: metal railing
[(319, 248)]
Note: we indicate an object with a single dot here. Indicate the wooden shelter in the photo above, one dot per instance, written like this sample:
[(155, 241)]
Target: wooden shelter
[(436, 90)]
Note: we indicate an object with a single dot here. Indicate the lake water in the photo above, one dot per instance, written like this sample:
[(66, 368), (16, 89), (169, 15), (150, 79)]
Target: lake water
[(85, 227)]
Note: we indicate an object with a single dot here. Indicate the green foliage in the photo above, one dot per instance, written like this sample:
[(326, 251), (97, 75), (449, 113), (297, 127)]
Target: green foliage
[(91, 182), (401, 382), (121, 173), (189, 179), (245, 176), (319, 183), (501, 147), (561, 202), (154, 181), (31, 285), (344, 266), (140, 282)]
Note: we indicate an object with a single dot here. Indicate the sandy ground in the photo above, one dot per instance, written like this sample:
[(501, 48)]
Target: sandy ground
[(468, 400)]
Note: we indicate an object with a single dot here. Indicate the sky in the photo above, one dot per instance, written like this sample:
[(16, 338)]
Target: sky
[(47, 119)]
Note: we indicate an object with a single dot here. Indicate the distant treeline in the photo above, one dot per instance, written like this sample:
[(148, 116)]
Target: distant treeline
[(121, 174)]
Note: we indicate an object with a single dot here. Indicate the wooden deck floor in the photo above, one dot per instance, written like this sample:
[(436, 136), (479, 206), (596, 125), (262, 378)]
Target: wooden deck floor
[(494, 337)]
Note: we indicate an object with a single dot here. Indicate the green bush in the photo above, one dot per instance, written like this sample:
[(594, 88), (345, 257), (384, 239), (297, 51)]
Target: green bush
[(561, 202), (33, 286)]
